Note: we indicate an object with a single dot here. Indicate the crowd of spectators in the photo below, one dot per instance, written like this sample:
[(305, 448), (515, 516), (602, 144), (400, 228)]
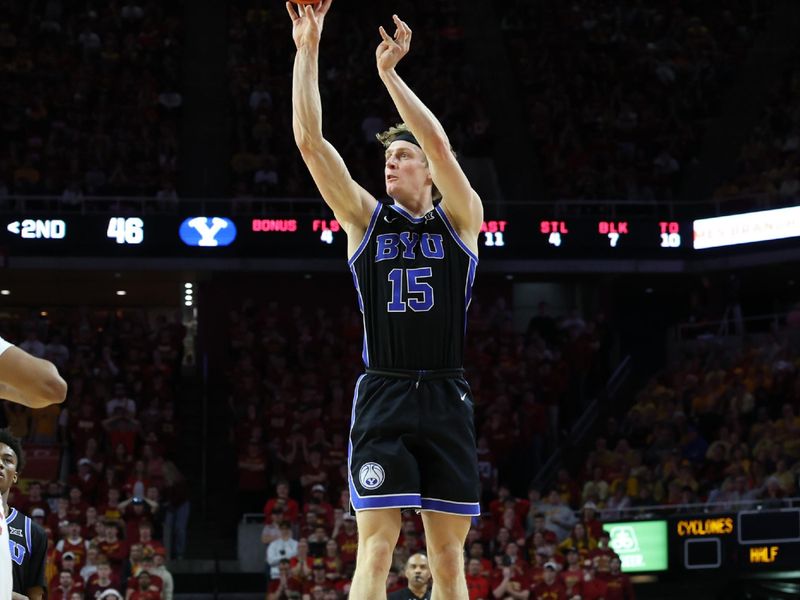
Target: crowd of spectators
[(617, 94), (529, 548), (117, 507), (91, 97), (719, 427), (769, 163), (291, 381), (355, 106)]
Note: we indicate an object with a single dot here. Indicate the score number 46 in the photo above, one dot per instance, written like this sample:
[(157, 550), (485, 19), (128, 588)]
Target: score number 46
[(126, 230)]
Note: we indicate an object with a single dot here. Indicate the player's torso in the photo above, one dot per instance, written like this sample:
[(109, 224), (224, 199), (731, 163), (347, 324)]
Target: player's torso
[(414, 282)]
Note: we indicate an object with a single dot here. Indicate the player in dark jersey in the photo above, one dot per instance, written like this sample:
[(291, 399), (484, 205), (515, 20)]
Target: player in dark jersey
[(413, 260), (27, 540)]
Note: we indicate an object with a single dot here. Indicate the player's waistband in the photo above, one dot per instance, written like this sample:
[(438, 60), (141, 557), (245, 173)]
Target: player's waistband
[(419, 375)]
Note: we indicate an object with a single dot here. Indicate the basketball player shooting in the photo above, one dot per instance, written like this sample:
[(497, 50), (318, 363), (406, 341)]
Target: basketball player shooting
[(35, 383), (413, 259)]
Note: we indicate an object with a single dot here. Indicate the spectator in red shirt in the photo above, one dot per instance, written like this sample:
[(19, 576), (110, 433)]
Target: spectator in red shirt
[(347, 539), (477, 583), (145, 590), (77, 506), (476, 552), (619, 586), (68, 564), (58, 521), (317, 578), (101, 581), (602, 555), (86, 479), (73, 544), (319, 505), (34, 499), (572, 575), (513, 523), (590, 521), (550, 588), (300, 565), (149, 545), (115, 549), (290, 506), (313, 472), (510, 582), (284, 584), (591, 588), (539, 525), (66, 586)]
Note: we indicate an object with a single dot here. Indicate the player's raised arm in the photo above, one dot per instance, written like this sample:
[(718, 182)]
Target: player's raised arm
[(28, 380), (351, 204), (461, 203)]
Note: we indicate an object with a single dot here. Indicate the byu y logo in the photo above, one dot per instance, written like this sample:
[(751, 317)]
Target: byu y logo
[(207, 231)]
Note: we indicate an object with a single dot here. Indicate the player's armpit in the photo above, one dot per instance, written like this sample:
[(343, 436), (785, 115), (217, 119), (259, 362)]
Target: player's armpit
[(461, 203), (16, 596), (31, 381)]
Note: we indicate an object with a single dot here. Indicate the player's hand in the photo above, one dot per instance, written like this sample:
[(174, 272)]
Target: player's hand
[(392, 49), (307, 21)]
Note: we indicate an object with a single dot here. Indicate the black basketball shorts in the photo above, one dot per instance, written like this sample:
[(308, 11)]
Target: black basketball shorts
[(412, 443)]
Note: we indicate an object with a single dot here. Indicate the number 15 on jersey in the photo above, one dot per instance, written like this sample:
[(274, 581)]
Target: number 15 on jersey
[(411, 285)]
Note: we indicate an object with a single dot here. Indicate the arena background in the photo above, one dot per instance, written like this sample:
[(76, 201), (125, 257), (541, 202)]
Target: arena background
[(614, 358)]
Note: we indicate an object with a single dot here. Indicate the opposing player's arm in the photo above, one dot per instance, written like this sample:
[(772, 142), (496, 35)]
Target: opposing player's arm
[(28, 380), (461, 203), (352, 204)]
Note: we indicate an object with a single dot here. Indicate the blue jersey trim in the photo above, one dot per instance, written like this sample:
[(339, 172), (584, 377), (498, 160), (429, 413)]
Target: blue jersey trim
[(473, 265), (367, 235), (452, 231), (353, 493), (468, 509), (10, 516), (365, 348), (28, 533), (406, 214), (388, 501)]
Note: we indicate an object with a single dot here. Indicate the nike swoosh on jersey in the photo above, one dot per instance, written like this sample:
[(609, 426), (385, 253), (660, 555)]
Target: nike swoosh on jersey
[(464, 395)]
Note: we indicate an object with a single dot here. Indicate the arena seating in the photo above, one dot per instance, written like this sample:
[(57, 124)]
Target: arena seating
[(355, 104), (101, 479), (91, 98), (618, 94)]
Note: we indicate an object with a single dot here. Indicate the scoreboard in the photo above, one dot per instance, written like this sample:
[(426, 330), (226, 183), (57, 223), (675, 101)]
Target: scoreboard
[(286, 235), (748, 541), (522, 234)]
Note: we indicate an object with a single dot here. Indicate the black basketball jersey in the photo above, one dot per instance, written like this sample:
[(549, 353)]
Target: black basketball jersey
[(414, 281), (407, 594), (28, 545)]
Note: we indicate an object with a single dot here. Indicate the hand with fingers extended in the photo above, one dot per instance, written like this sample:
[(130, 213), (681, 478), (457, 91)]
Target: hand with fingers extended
[(392, 49), (307, 20)]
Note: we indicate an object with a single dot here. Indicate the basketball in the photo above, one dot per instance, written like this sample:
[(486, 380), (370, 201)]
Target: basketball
[(305, 1)]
